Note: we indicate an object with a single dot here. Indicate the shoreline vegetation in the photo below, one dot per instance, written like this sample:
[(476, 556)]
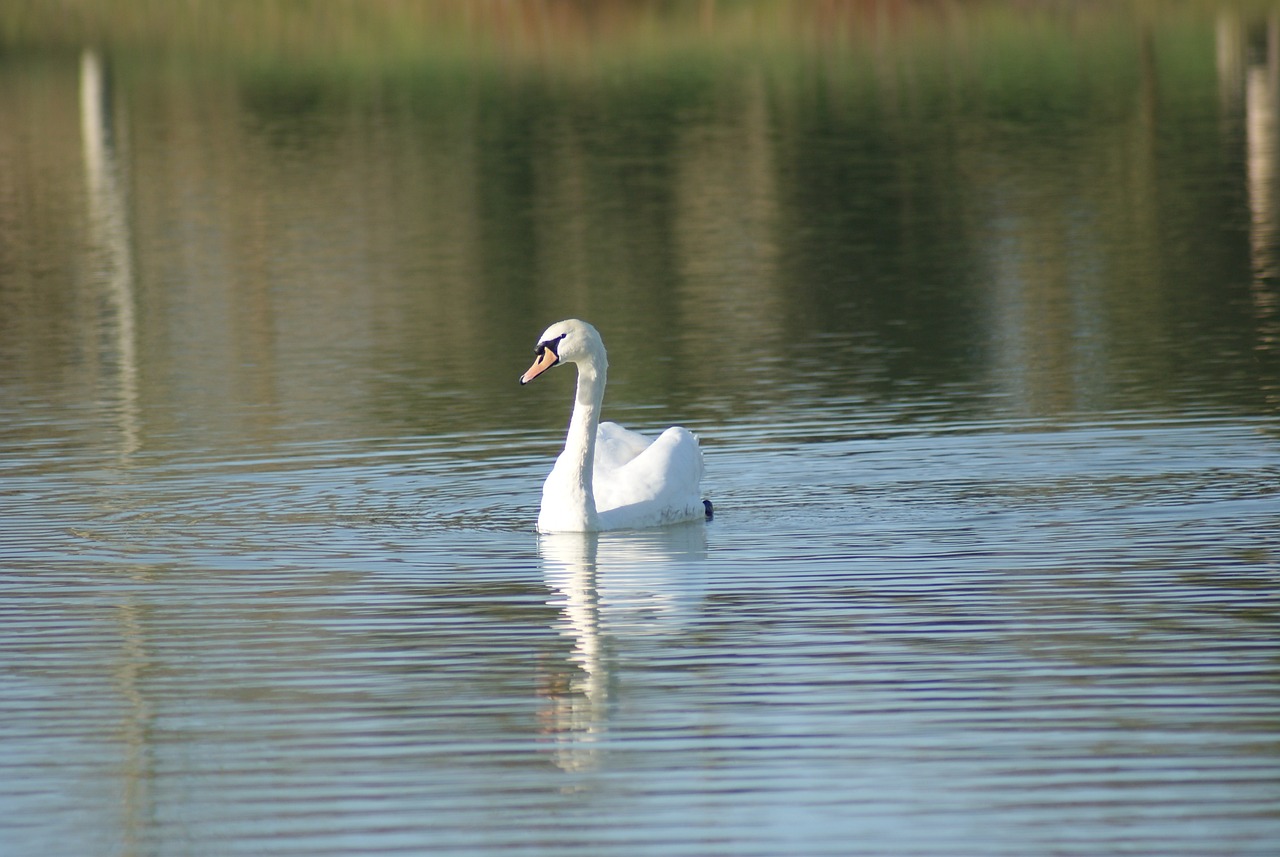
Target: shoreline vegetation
[(348, 36), (908, 57)]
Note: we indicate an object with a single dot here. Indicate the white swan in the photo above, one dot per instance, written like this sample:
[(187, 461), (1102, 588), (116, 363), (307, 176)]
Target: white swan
[(609, 478)]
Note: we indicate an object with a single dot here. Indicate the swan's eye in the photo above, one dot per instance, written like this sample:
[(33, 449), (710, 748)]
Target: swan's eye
[(551, 344)]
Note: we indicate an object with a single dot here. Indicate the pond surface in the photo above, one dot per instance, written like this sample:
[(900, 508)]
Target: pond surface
[(975, 310)]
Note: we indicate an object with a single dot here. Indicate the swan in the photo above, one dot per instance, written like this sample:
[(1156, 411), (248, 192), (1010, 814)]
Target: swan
[(609, 478)]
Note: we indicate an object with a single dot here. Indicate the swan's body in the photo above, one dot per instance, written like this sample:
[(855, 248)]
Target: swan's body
[(609, 478)]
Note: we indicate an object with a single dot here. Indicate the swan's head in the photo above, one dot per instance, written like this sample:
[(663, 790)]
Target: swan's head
[(569, 341)]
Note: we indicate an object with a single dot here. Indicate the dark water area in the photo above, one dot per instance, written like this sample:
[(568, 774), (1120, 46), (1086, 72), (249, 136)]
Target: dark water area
[(974, 308)]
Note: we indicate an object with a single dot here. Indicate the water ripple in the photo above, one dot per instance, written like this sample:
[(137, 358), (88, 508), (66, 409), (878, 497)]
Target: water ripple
[(366, 643)]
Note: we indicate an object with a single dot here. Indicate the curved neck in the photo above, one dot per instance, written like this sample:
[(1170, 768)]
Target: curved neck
[(580, 443)]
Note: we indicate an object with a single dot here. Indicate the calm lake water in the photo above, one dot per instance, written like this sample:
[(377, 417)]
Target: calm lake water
[(975, 308)]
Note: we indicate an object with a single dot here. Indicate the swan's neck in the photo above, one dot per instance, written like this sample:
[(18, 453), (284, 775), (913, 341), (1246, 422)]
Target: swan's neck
[(580, 443)]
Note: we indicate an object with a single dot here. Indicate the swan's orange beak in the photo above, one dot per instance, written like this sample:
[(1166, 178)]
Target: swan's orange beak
[(546, 359)]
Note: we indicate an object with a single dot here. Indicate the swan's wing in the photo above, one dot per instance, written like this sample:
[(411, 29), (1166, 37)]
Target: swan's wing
[(615, 446), (658, 486)]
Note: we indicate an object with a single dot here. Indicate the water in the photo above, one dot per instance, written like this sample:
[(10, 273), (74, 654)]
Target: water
[(975, 313)]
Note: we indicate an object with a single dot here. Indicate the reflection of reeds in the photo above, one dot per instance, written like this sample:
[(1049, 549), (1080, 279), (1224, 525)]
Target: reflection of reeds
[(312, 184), (109, 235), (1249, 92)]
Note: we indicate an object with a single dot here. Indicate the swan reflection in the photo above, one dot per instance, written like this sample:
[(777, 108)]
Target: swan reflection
[(613, 591)]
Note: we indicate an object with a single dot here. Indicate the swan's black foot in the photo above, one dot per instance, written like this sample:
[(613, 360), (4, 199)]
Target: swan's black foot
[(711, 513)]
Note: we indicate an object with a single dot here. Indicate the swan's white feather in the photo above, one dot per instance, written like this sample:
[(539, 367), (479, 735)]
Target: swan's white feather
[(615, 446), (658, 486)]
